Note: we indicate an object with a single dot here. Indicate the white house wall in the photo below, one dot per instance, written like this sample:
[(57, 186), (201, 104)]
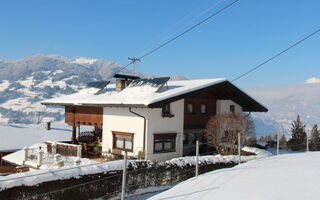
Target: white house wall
[(157, 125), (120, 119), (223, 106)]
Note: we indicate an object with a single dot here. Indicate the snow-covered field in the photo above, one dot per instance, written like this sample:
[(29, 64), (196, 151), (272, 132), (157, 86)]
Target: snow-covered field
[(288, 176), (17, 136)]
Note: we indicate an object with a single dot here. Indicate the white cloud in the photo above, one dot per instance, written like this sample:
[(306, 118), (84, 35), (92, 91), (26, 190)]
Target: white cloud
[(312, 80)]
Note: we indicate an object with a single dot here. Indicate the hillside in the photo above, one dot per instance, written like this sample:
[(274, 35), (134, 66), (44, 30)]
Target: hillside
[(289, 176), (27, 81)]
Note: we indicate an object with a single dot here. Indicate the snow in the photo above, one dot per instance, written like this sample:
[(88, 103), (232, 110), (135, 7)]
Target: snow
[(42, 175), (3, 120), (143, 95), (147, 192), (212, 159), (262, 144), (27, 82), (19, 136), (18, 104), (4, 85), (289, 176), (48, 159), (83, 60), (57, 72), (35, 177)]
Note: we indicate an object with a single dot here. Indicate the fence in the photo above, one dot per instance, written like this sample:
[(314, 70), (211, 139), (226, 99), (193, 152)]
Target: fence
[(141, 174), (64, 149), (109, 184)]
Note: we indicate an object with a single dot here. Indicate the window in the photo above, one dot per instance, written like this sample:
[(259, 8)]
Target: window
[(123, 141), (166, 109), (164, 143), (190, 108), (231, 108), (203, 109)]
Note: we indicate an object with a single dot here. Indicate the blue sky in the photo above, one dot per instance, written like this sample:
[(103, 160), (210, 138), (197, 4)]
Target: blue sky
[(241, 37)]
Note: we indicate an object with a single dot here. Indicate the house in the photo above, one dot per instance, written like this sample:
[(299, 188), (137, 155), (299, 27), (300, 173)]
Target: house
[(151, 117)]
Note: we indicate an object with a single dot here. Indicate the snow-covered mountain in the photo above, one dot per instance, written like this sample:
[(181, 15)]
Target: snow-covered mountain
[(27, 81), (285, 102)]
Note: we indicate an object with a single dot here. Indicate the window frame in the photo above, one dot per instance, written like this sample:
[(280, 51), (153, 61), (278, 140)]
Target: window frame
[(163, 109), (163, 137), (205, 108), (114, 146), (232, 108), (166, 114), (193, 108)]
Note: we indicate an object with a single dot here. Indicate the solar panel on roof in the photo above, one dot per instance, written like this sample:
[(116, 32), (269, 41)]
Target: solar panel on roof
[(98, 84), (153, 82)]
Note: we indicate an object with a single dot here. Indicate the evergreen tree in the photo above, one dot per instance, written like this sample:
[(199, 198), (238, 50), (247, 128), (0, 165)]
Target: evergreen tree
[(299, 135), (298, 129), (315, 139)]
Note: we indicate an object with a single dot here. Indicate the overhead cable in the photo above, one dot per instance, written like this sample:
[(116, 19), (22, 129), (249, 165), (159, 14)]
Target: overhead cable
[(183, 33), (278, 54)]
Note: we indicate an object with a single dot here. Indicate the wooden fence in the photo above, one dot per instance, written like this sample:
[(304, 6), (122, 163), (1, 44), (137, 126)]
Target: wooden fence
[(63, 149)]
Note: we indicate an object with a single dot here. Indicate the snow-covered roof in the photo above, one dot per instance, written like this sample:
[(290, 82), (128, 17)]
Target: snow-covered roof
[(138, 95), (146, 95)]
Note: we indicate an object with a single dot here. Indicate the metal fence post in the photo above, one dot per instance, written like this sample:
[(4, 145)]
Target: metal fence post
[(239, 148), (307, 142), (278, 141), (197, 158), (124, 172)]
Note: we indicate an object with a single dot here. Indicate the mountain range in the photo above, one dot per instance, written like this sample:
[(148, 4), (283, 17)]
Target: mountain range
[(285, 102), (25, 82)]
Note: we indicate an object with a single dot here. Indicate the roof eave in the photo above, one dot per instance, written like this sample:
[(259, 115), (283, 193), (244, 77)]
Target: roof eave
[(96, 105), (257, 107)]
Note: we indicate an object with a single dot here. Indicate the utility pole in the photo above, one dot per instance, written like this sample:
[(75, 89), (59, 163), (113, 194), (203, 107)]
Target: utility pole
[(278, 144), (124, 178), (197, 158), (239, 148), (133, 60), (307, 141)]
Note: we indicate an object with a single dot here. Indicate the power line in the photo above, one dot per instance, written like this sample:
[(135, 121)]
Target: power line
[(181, 34), (157, 40), (278, 54), (178, 29)]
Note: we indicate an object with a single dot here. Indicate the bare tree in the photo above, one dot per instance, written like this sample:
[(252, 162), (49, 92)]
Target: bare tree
[(222, 131)]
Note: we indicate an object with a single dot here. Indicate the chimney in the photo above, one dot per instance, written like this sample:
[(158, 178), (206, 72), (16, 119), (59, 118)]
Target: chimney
[(123, 81), (121, 84)]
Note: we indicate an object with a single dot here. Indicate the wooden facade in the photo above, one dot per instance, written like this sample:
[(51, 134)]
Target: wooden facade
[(196, 119), (224, 90), (84, 115)]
